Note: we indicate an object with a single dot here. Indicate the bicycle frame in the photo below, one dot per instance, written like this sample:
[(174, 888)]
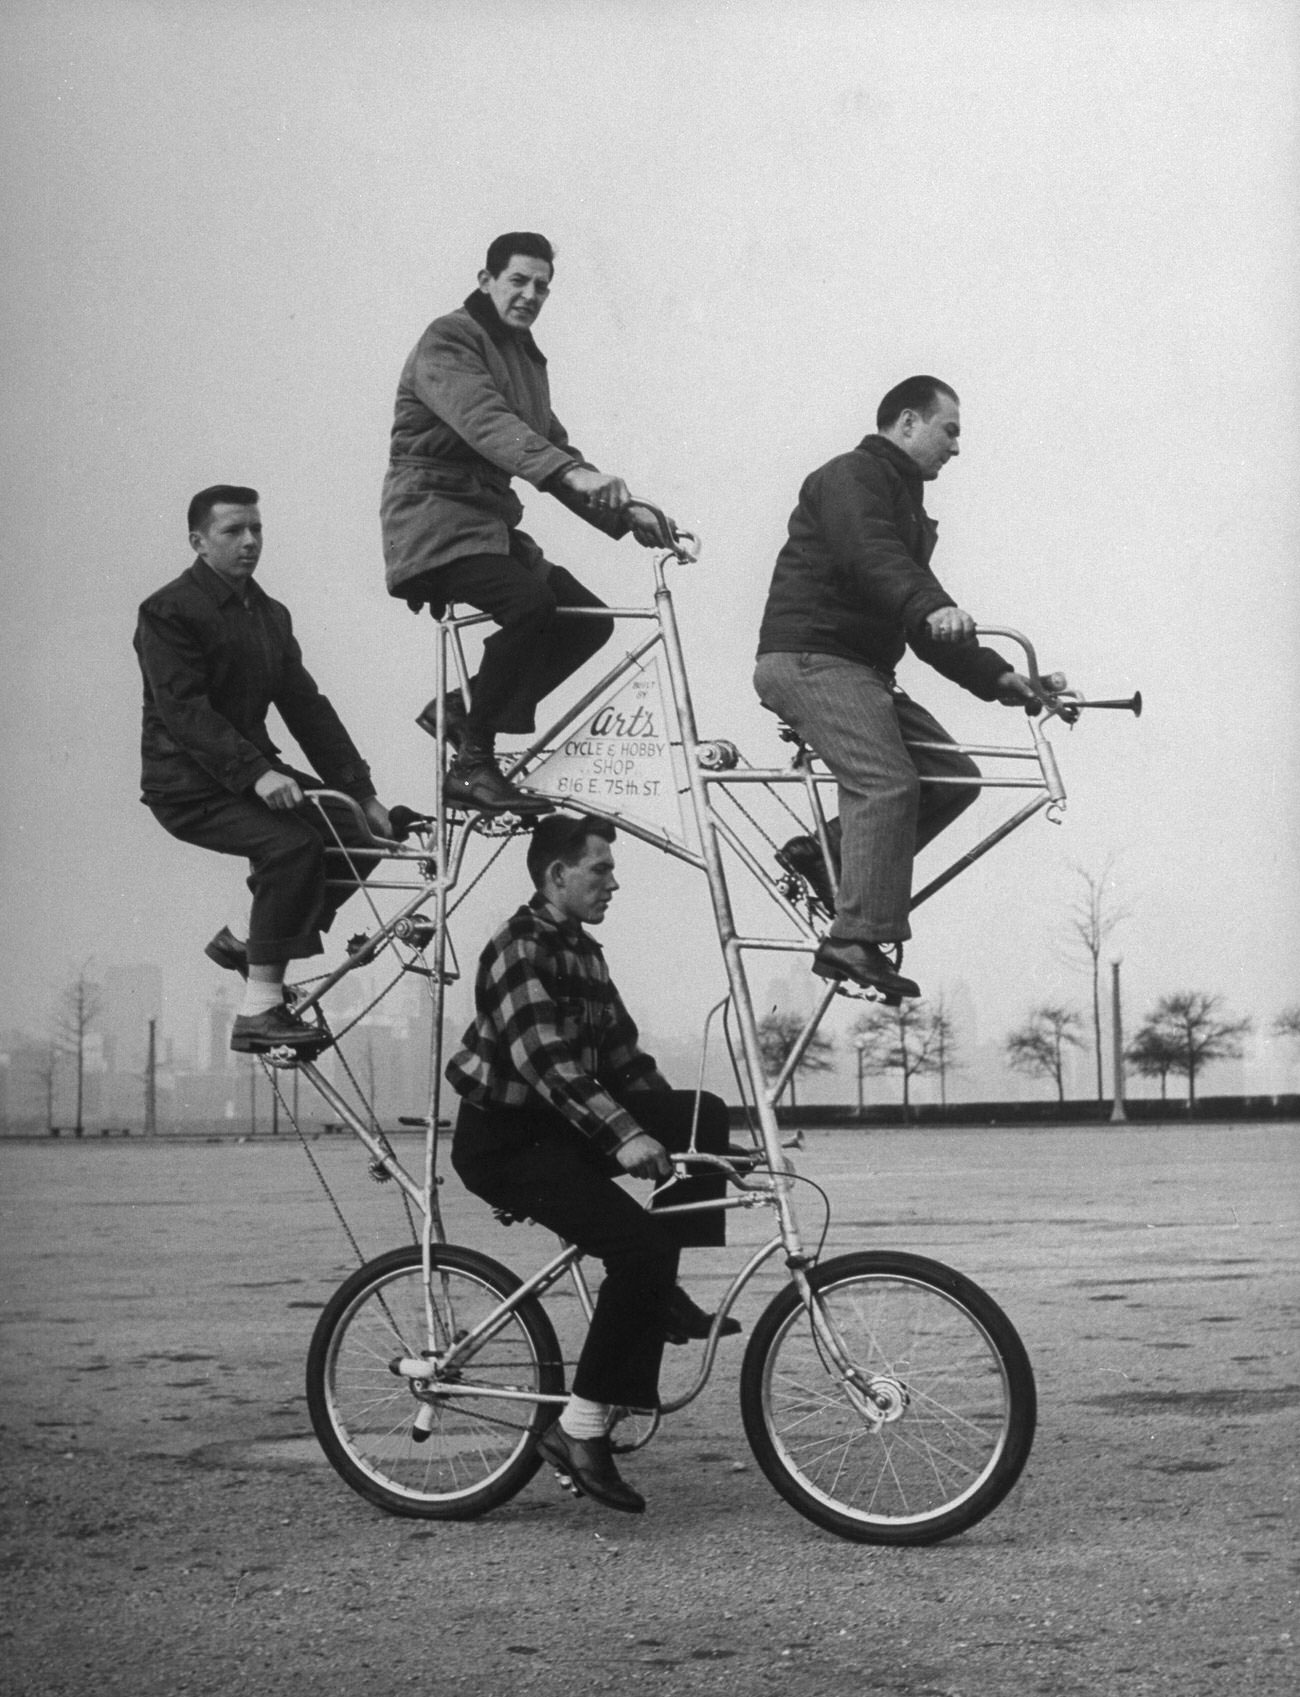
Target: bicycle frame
[(710, 782), (464, 1345)]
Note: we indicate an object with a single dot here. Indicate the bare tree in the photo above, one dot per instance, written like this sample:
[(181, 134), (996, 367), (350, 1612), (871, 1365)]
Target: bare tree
[(1038, 1048), (1287, 1023), (1093, 915), (1153, 1055), (946, 1044), (906, 1040), (778, 1033), (46, 1072), (78, 1009), (1190, 1023)]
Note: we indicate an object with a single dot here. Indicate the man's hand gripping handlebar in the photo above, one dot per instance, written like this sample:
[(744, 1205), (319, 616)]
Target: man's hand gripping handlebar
[(1048, 693), (654, 529)]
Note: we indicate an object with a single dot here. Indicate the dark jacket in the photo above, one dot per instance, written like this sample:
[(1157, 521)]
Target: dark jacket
[(473, 410), (854, 577), (213, 667)]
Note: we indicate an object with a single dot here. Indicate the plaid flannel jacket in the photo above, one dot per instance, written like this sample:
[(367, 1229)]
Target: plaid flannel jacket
[(550, 1023)]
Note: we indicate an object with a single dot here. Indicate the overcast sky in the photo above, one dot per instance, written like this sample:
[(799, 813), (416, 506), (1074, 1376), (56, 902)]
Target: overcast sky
[(226, 225)]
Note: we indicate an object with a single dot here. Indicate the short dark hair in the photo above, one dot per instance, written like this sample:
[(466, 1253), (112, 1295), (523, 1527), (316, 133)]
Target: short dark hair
[(219, 495), (527, 242), (913, 394), (562, 837)]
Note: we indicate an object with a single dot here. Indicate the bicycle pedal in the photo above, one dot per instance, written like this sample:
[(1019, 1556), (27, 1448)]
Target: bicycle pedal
[(567, 1482), (286, 1056)]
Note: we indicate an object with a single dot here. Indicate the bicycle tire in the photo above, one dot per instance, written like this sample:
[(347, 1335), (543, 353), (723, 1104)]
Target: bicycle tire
[(478, 1450), (944, 1358)]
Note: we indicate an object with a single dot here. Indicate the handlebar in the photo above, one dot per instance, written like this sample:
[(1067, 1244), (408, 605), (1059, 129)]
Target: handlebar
[(738, 1172), (684, 545), (404, 820), (1065, 704)]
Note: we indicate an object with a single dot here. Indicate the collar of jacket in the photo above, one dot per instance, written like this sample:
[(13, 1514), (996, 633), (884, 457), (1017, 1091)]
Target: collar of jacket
[(484, 314), (213, 584), (570, 929), (893, 455)]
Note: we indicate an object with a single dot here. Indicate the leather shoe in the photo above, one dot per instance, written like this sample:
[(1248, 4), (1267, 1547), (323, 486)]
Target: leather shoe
[(803, 857), (686, 1320), (865, 963), (586, 1467), (255, 1032), (454, 721), (477, 782), (228, 952)]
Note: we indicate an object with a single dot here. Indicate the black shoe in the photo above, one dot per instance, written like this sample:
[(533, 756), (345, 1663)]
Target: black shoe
[(479, 784), (256, 1032), (686, 1320), (228, 952), (454, 721), (803, 857), (864, 963), (586, 1467)]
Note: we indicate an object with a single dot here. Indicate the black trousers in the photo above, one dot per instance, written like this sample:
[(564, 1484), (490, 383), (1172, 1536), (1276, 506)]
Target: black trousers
[(534, 650), (292, 902), (533, 1163)]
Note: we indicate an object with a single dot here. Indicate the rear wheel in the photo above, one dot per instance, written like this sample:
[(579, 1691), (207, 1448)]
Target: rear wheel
[(447, 1448), (928, 1429)]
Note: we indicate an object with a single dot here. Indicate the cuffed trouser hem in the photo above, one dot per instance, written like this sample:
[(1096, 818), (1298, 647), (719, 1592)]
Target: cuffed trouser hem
[(273, 951)]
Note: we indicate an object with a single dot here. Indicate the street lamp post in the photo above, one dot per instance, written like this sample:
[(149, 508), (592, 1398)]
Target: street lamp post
[(1117, 1114)]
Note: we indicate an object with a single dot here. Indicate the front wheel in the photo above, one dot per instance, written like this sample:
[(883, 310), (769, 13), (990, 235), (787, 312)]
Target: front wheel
[(451, 1446), (926, 1428)]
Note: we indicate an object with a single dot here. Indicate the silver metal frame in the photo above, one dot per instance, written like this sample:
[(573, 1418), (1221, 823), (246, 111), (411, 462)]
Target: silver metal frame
[(430, 872)]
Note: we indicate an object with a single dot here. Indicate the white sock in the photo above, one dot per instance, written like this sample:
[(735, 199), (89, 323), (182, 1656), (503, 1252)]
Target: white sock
[(583, 1419), (261, 998)]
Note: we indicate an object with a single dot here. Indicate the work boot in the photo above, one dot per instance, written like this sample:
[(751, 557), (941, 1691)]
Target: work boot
[(864, 963), (803, 857), (455, 718), (474, 780)]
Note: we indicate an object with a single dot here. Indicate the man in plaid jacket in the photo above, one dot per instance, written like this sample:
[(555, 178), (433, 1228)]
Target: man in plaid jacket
[(557, 1100)]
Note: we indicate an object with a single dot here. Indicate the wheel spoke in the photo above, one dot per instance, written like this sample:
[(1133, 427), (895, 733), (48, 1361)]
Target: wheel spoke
[(417, 1447), (940, 1451)]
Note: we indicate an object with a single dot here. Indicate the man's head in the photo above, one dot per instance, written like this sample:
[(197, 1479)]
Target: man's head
[(571, 861), (516, 277), (922, 416), (226, 530)]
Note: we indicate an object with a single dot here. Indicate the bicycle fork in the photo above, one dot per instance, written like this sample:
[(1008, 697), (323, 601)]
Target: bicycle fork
[(878, 1398)]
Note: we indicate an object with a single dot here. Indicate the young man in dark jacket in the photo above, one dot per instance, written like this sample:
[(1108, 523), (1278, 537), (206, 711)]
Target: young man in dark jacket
[(217, 653), (851, 591), (474, 411)]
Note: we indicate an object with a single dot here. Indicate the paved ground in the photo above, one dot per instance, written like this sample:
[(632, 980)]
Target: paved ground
[(171, 1527)]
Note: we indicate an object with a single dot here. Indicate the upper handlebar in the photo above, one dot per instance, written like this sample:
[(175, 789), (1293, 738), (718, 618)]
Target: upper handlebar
[(1064, 704)]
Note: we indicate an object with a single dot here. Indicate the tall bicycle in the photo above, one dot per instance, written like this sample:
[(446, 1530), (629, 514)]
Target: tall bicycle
[(885, 1396)]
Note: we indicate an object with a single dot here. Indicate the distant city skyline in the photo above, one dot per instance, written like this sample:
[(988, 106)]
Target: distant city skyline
[(201, 1082)]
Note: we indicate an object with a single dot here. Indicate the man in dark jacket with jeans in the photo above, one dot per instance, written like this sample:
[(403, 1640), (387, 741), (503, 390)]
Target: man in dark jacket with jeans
[(851, 591), (474, 411), (216, 654)]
